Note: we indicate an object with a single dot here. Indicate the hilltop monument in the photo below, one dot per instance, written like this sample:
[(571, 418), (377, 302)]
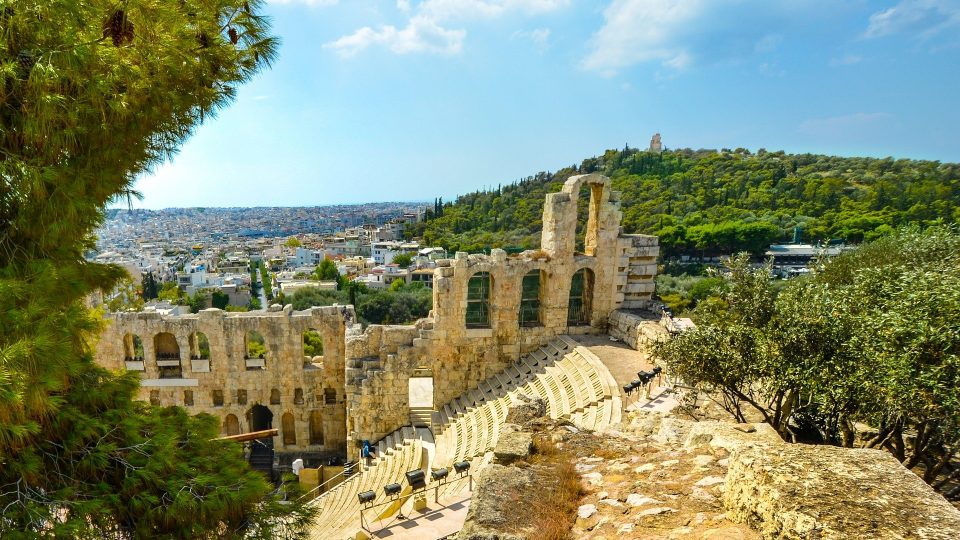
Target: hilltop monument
[(655, 144)]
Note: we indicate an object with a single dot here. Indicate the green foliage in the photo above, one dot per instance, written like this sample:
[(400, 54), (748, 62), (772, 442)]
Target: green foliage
[(312, 343), (404, 305), (93, 94), (707, 203), (400, 304), (149, 286), (254, 304), (683, 292), (872, 337), (125, 297), (256, 346), (293, 242), (170, 292), (219, 299), (199, 300), (326, 271), (308, 297), (402, 259), (266, 281)]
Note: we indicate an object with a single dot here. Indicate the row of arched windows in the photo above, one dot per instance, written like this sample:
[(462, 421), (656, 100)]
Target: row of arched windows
[(288, 429), (168, 357), (579, 302)]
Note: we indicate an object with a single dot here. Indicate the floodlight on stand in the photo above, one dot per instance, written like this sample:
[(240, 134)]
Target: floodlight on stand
[(461, 466), (366, 497), (439, 474), (391, 490), (417, 479)]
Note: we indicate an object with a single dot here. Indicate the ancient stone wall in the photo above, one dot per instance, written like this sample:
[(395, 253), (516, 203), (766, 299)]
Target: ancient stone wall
[(636, 329), (229, 385), (361, 388)]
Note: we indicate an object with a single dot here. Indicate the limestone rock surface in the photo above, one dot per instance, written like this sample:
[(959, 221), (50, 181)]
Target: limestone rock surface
[(512, 447), (796, 491)]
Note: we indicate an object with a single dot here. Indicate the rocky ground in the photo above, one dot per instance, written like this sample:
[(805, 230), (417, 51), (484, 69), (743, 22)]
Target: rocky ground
[(640, 487), (665, 477)]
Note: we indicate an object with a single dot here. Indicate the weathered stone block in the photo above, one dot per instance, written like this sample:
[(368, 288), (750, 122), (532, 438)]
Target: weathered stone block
[(796, 491)]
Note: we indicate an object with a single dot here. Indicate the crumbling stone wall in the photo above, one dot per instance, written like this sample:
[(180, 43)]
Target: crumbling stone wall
[(622, 268), (636, 329), (286, 383)]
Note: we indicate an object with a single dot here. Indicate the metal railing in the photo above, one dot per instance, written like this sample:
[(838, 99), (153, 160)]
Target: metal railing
[(402, 499), (342, 475)]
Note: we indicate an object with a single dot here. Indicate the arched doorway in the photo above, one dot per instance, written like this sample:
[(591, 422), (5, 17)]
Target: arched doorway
[(420, 398), (259, 418), (261, 450)]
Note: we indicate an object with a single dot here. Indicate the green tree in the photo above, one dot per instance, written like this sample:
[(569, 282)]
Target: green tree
[(170, 292), (326, 271), (94, 93), (293, 242), (871, 338), (149, 286), (219, 299), (125, 297), (402, 259)]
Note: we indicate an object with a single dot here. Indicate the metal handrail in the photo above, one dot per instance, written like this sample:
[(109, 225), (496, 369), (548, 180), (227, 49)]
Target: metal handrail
[(331, 479)]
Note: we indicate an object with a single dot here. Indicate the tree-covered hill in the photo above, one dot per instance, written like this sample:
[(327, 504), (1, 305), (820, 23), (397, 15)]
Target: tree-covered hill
[(709, 202)]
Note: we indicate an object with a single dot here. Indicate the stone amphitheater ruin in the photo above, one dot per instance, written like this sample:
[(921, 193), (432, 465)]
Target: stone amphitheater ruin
[(504, 329)]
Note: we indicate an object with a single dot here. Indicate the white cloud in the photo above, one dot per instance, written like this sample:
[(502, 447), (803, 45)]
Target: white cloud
[(539, 36), (681, 33), (844, 124), (924, 18), (426, 30), (420, 35), (475, 9)]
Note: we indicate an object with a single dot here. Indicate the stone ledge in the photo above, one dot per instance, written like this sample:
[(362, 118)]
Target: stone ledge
[(153, 383), (797, 491)]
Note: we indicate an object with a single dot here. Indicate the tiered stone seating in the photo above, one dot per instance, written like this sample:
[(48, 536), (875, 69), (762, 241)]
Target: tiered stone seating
[(340, 508), (569, 378)]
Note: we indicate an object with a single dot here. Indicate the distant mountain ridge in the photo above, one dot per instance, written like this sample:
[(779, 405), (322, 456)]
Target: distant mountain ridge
[(710, 202)]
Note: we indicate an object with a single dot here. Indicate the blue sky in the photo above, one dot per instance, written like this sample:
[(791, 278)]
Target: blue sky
[(410, 100)]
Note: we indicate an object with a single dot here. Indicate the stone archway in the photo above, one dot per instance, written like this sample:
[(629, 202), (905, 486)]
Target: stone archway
[(259, 418)]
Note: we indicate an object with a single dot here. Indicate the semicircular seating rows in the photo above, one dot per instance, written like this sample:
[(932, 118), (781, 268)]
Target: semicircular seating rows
[(572, 381), (339, 508)]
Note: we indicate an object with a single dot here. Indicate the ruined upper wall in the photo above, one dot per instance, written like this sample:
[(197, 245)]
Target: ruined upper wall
[(229, 383)]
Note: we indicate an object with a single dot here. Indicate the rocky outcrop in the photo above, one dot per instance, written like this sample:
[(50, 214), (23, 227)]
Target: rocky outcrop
[(489, 518), (796, 491), (513, 445)]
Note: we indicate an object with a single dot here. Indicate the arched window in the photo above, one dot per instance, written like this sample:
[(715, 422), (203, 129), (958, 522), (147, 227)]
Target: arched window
[(168, 355), (274, 397), (581, 298), (199, 346), (312, 348), (132, 348), (530, 299), (289, 429), (231, 426), (256, 346), (478, 301), (316, 427)]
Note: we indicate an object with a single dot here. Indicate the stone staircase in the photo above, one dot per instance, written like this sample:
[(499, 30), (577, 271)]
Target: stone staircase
[(421, 417)]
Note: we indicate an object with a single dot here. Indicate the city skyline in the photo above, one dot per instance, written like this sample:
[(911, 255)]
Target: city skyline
[(408, 101)]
